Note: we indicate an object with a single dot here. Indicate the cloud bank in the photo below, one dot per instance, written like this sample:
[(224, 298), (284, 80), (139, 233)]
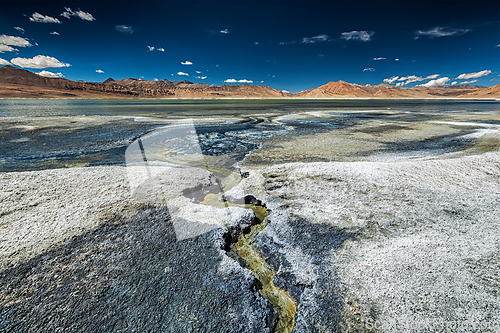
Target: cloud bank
[(39, 62)]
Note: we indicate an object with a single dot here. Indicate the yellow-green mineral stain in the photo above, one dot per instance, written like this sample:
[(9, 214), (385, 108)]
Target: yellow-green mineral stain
[(283, 304)]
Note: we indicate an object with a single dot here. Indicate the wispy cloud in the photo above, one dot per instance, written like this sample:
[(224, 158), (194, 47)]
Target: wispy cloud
[(198, 72), (315, 39), (224, 31), (380, 58), (436, 83), (161, 49), (100, 71), (86, 16), (369, 70), (126, 29), (476, 75), (467, 82), (50, 74), (39, 62), (54, 33), (363, 36), (151, 48), (201, 77), (441, 32), (37, 17), (238, 81), (187, 62), (21, 30), (182, 73), (4, 62)]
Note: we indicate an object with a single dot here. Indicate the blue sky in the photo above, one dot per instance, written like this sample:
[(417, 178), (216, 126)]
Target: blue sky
[(287, 45)]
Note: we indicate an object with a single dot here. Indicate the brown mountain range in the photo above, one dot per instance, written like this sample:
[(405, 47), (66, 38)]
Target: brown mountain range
[(15, 82)]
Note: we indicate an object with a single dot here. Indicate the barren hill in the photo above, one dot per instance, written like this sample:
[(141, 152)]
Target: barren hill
[(15, 82), (343, 89)]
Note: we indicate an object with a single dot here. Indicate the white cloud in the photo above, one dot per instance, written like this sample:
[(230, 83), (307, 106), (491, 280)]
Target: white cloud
[(238, 81), (68, 12), (285, 91), (476, 75), (256, 43), (151, 48), (381, 58), (50, 74), (54, 33), (99, 71), (453, 83), (198, 72), (391, 80), (400, 84), (187, 62), (201, 77), (4, 62), (155, 79), (19, 29), (498, 45), (369, 70), (86, 16), (396, 59), (410, 79), (182, 73), (14, 41), (315, 39), (441, 32), (467, 82), (225, 31), (161, 49), (436, 83), (39, 62), (433, 76), (126, 29), (364, 36), (6, 48), (37, 17)]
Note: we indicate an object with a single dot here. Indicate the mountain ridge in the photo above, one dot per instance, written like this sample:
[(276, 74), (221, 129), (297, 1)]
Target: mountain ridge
[(16, 82)]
